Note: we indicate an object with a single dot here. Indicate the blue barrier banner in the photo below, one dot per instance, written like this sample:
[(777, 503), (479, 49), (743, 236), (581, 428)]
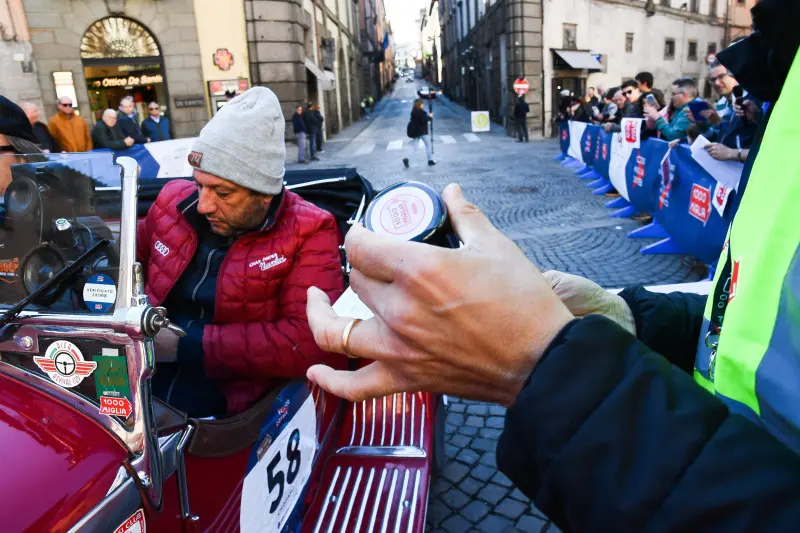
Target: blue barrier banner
[(563, 136), (688, 215), (587, 144), (642, 176), (602, 153), (163, 159)]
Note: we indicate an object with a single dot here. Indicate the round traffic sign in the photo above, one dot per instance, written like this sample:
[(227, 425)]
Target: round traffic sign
[(521, 86)]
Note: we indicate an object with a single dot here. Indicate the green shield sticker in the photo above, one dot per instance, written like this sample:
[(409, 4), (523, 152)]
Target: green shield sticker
[(111, 376)]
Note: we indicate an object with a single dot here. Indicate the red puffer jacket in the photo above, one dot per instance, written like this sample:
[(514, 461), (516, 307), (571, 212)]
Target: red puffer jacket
[(260, 330)]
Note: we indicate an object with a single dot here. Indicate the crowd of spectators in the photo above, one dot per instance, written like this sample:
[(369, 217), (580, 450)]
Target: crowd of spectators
[(730, 123), (116, 130)]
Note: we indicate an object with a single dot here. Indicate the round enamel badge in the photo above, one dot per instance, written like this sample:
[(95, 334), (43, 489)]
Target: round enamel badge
[(63, 363)]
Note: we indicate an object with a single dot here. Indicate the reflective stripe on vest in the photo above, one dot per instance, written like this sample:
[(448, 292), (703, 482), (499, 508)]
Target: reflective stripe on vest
[(756, 369)]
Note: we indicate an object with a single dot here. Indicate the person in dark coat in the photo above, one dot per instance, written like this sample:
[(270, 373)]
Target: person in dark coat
[(521, 110), (155, 127), (417, 130), (318, 133), (313, 125), (607, 430), (300, 131), (46, 141), (107, 133), (128, 122)]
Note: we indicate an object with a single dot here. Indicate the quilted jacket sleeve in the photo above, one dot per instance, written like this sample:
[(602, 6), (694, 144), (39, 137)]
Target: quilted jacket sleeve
[(283, 348)]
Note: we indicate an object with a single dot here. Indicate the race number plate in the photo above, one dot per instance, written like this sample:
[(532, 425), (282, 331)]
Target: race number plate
[(280, 463)]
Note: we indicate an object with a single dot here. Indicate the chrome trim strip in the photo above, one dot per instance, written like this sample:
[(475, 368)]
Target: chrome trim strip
[(327, 499), (353, 434), (382, 451), (316, 182), (183, 486), (377, 500), (413, 514), (363, 421), (413, 411), (389, 502), (364, 501), (383, 425), (403, 422), (353, 496), (394, 411), (422, 428), (372, 432), (129, 173), (339, 498), (400, 506)]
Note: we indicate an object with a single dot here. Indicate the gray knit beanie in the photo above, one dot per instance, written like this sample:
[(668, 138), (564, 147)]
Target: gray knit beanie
[(244, 142)]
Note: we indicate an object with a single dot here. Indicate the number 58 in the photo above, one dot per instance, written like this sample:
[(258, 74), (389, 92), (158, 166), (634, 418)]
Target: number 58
[(275, 475)]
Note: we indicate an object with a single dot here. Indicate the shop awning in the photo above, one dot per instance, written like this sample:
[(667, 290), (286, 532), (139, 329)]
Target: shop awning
[(327, 80), (576, 59)]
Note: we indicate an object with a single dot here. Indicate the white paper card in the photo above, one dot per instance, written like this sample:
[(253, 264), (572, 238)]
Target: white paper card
[(727, 173)]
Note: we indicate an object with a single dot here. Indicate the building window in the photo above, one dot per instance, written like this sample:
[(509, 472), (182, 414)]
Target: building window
[(713, 10), (629, 42), (669, 49), (570, 36), (712, 49), (692, 55), (665, 3), (695, 7)]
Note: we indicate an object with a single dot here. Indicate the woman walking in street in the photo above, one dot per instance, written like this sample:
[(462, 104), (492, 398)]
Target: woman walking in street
[(417, 130)]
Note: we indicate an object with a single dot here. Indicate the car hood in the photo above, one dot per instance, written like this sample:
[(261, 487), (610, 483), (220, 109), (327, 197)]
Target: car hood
[(56, 463)]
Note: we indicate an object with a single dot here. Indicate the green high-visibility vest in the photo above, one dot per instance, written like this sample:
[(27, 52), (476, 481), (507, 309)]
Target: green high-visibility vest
[(753, 364)]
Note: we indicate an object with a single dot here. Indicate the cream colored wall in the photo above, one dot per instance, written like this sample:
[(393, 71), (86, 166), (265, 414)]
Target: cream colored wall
[(220, 24)]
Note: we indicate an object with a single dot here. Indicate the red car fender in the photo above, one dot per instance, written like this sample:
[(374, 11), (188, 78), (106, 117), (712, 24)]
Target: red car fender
[(56, 463)]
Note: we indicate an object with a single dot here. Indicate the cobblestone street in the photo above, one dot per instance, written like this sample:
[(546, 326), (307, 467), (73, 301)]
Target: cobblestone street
[(553, 218)]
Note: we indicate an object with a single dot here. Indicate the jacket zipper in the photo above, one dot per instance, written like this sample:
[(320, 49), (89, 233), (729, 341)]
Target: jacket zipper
[(202, 313)]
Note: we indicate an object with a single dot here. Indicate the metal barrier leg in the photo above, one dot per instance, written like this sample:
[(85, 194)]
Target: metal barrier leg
[(604, 189), (650, 231), (567, 161), (591, 175), (560, 157), (618, 203), (666, 247), (582, 171), (597, 183), (625, 212)]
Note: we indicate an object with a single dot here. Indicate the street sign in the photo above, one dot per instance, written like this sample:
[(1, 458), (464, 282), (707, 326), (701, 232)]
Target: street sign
[(480, 121), (521, 86), (710, 58)]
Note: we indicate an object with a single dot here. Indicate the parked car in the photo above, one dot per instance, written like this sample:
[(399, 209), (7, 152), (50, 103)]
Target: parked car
[(85, 445)]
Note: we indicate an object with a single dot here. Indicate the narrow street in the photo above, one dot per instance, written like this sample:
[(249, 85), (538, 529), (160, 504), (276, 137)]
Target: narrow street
[(553, 218)]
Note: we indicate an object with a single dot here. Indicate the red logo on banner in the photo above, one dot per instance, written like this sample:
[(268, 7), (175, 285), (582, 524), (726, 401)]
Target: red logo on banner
[(605, 152), (720, 196), (587, 149), (112, 406), (734, 281), (564, 135), (631, 132), (638, 173), (700, 203)]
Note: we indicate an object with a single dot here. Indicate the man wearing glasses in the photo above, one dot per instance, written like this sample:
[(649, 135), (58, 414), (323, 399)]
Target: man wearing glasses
[(155, 127), (69, 131)]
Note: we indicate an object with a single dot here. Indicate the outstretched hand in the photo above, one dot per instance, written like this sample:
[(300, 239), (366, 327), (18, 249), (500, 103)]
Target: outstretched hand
[(471, 322)]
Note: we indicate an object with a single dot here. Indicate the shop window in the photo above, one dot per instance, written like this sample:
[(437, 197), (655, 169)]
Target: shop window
[(117, 37), (629, 42)]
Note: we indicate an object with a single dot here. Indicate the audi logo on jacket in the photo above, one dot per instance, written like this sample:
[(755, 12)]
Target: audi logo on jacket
[(259, 331)]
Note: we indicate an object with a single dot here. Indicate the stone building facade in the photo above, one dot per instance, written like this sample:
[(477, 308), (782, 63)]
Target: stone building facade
[(189, 55), (58, 30)]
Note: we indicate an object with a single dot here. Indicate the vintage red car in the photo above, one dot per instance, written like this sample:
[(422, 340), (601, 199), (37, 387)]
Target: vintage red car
[(85, 447)]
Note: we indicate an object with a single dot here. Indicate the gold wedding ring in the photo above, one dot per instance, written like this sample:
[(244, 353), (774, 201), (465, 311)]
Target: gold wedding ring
[(346, 336)]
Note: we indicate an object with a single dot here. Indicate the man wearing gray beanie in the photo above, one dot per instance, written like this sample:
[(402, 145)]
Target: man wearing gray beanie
[(231, 256)]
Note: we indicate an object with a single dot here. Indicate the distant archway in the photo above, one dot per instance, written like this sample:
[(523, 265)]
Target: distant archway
[(121, 57)]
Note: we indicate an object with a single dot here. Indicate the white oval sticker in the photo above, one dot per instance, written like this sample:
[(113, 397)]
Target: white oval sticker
[(404, 212)]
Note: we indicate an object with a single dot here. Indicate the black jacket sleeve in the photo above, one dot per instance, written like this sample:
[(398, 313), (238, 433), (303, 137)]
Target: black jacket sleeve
[(669, 324), (609, 436), (102, 137), (130, 128)]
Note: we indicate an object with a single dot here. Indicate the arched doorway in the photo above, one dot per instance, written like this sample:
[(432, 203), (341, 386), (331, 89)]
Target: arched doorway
[(120, 58)]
